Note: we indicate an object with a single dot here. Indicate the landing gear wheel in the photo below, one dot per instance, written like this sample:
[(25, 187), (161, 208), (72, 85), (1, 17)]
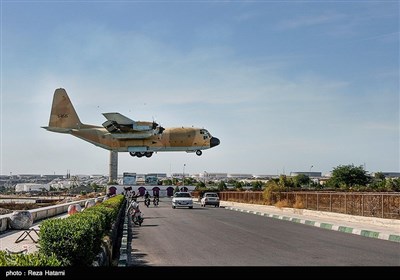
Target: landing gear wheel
[(132, 154), (148, 154), (198, 152)]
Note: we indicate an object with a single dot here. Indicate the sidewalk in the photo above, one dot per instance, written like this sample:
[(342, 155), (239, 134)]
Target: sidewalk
[(387, 229), (27, 243)]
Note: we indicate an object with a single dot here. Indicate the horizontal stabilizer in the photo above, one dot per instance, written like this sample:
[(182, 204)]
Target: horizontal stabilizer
[(119, 118), (122, 127)]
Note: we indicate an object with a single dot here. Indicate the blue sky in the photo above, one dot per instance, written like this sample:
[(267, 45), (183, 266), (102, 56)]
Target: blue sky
[(285, 85)]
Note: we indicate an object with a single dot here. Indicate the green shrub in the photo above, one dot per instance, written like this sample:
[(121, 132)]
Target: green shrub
[(34, 259), (272, 192), (77, 239)]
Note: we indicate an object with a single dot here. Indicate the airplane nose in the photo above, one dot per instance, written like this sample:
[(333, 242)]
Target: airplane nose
[(214, 142)]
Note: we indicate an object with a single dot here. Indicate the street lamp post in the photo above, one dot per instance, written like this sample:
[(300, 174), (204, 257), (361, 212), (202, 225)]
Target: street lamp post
[(309, 177), (183, 176)]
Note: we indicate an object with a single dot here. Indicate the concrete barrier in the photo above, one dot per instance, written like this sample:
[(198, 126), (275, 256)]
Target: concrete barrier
[(42, 213)]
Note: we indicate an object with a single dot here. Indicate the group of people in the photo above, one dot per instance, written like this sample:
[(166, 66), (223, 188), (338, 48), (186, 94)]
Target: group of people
[(134, 205)]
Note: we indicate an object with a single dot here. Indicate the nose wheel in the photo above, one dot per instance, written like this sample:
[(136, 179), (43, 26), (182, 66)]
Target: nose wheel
[(199, 153)]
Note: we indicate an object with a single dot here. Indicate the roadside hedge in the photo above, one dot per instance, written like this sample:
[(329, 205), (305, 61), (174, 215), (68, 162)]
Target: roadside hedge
[(34, 259), (76, 240)]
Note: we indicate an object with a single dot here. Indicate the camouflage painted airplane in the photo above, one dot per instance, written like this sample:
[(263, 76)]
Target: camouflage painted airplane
[(121, 134)]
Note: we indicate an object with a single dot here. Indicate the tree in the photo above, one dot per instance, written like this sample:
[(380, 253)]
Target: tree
[(256, 185), (94, 186), (239, 185), (396, 184), (348, 176), (285, 182), (379, 176), (271, 187), (200, 185), (175, 181), (167, 182), (301, 180), (176, 189), (189, 181), (222, 186)]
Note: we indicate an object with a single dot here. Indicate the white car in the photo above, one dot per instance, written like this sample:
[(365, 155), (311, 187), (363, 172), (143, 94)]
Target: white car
[(182, 199), (210, 198)]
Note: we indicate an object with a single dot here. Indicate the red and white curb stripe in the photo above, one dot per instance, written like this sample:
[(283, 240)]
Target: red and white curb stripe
[(346, 229)]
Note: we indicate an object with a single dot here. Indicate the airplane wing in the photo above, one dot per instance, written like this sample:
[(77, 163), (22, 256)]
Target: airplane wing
[(122, 127)]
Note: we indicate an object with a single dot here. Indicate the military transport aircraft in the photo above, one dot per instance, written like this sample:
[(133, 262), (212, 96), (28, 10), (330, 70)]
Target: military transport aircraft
[(121, 134)]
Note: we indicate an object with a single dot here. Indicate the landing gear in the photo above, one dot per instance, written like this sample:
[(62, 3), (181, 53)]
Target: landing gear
[(199, 153), (141, 154)]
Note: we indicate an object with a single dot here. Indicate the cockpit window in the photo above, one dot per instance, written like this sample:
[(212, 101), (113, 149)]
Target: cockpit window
[(205, 134)]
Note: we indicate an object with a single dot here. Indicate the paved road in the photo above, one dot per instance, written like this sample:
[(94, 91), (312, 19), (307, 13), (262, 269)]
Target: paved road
[(218, 237)]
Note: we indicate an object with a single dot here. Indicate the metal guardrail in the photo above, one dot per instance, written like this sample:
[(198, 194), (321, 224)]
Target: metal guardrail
[(380, 205)]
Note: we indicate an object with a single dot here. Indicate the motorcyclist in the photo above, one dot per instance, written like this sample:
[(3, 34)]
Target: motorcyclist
[(134, 207), (156, 199), (147, 198)]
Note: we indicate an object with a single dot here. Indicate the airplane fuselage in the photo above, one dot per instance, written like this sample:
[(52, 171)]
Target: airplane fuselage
[(187, 139)]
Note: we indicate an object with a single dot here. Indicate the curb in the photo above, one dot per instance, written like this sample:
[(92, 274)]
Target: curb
[(123, 255), (346, 229)]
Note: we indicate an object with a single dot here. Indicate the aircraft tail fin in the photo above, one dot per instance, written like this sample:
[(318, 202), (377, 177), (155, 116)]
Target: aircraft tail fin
[(63, 114)]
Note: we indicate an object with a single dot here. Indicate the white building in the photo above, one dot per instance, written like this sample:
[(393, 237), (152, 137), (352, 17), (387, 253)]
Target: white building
[(31, 187), (240, 176)]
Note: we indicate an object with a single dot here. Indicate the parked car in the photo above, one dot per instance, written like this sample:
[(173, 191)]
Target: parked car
[(182, 199), (210, 198)]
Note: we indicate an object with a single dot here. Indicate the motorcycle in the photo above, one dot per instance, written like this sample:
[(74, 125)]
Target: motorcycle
[(137, 218), (155, 201)]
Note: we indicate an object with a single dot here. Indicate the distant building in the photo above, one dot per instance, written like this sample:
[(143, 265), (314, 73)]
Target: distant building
[(388, 174), (129, 178), (264, 177), (240, 176), (31, 187), (52, 176), (28, 176), (158, 175), (213, 175), (309, 174), (179, 175), (154, 178)]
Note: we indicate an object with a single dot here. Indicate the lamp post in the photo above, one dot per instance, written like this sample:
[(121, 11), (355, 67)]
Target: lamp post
[(309, 177), (183, 176)]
